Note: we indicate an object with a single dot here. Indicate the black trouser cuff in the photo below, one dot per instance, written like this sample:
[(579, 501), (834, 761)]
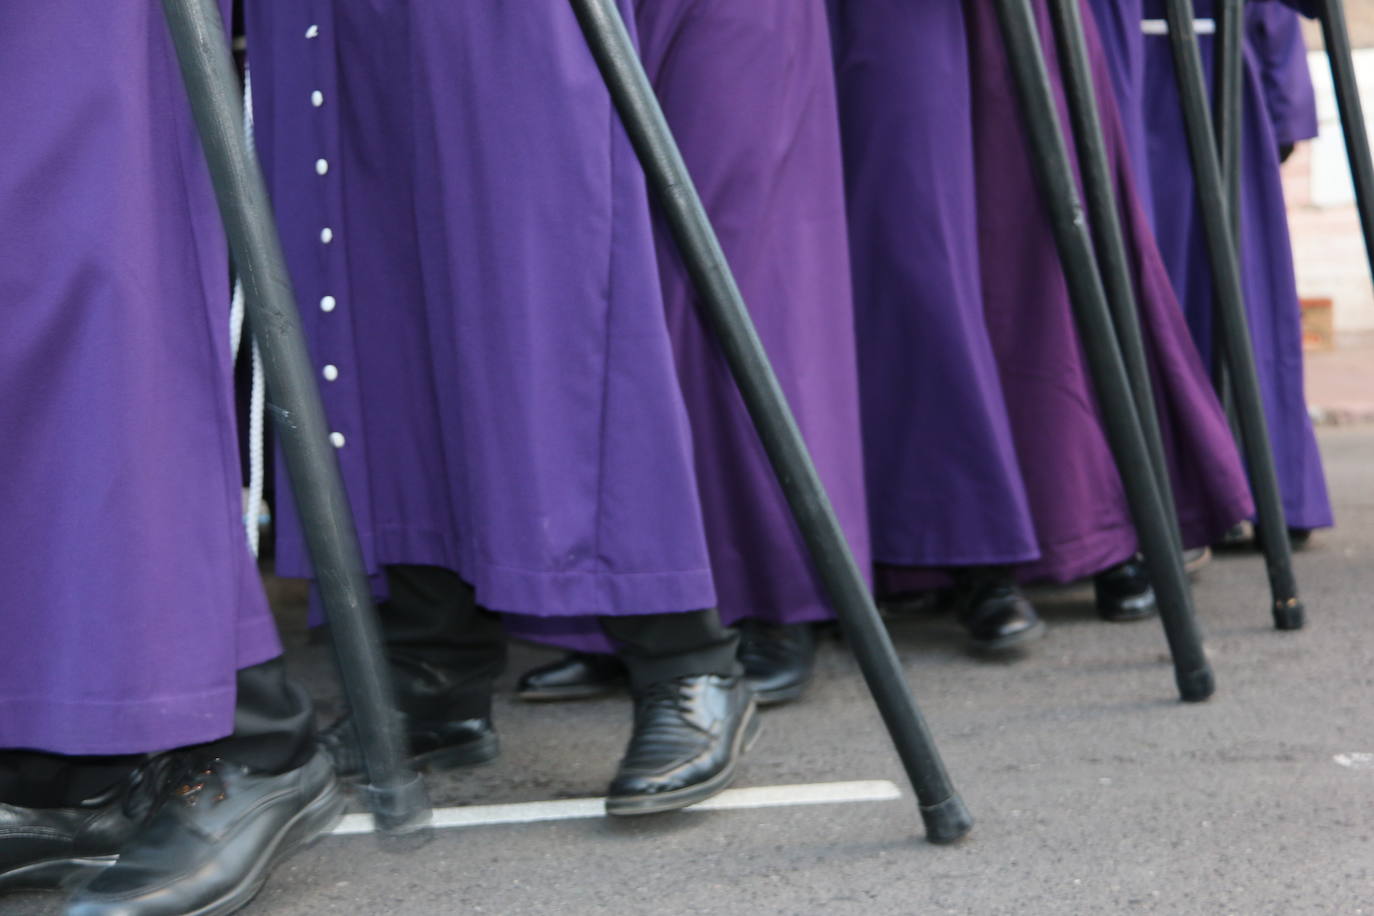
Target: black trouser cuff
[(663, 647)]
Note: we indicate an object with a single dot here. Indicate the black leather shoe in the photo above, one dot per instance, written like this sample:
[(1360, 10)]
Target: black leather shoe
[(575, 676), (777, 660), (1124, 593), (688, 738), (995, 612), (218, 831), (433, 745), (50, 847)]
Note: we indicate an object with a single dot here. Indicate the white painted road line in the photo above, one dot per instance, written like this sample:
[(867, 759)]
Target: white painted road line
[(814, 793), (1355, 760)]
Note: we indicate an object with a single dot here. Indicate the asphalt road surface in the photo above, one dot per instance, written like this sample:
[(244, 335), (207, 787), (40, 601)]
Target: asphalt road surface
[(1095, 790)]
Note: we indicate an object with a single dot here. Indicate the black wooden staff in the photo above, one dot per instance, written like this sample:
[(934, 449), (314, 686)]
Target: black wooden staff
[(945, 815), (1234, 325), (1337, 34), (394, 793), (1229, 105), (1104, 216), (1054, 173)]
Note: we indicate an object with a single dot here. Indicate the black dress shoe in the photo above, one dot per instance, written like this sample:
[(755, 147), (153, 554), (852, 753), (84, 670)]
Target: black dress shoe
[(575, 676), (995, 612), (433, 745), (1124, 593), (689, 735), (777, 659), (50, 847), (219, 830)]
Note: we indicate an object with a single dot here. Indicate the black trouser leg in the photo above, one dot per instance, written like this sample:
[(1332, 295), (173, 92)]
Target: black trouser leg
[(661, 647), (274, 721), (445, 652), (31, 779)]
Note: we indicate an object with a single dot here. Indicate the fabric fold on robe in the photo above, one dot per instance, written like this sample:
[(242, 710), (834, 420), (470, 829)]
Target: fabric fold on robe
[(748, 90), (1076, 502), (1266, 260), (131, 598), (469, 233)]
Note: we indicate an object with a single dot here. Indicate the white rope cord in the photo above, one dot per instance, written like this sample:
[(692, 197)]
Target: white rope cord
[(1161, 26), (253, 516)]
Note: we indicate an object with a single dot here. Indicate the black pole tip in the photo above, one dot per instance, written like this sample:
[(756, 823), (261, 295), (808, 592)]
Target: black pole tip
[(1290, 614), (398, 809), (1196, 685), (947, 822)]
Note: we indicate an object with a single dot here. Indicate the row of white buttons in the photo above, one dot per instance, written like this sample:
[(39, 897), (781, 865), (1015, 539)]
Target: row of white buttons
[(328, 303)]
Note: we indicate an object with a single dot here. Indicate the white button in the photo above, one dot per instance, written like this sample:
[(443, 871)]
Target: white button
[(321, 166), (317, 98), (312, 32), (326, 235), (327, 304), (331, 373), (336, 440)]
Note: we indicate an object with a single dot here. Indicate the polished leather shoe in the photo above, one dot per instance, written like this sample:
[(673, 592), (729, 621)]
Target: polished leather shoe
[(1124, 593), (433, 745), (777, 659), (219, 830), (575, 676), (688, 737), (50, 847), (995, 612)]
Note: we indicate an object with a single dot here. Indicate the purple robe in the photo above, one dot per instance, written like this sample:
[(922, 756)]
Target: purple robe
[(944, 481), (749, 92), (1118, 23), (470, 239), (1275, 32), (130, 595), (1081, 518), (1266, 261)]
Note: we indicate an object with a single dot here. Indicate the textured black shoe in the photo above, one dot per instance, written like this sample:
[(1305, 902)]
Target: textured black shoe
[(688, 738), (575, 676), (777, 659), (216, 835), (995, 612), (49, 847), (1124, 593), (433, 745)]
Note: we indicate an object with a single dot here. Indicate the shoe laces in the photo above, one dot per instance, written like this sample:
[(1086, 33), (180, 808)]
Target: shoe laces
[(664, 695), (180, 777)]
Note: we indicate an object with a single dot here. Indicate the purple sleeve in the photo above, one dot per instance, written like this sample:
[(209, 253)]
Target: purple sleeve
[(1274, 32)]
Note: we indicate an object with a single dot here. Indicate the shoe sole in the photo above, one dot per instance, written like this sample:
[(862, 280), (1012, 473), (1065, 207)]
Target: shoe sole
[(484, 750), (564, 694), (779, 695), (309, 824), (1009, 644), (1142, 608), (53, 873), (658, 803)]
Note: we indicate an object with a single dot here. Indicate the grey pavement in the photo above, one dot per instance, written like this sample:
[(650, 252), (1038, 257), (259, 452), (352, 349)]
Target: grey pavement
[(1095, 790)]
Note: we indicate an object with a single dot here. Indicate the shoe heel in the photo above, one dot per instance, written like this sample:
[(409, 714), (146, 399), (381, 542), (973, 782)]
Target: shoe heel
[(484, 751)]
